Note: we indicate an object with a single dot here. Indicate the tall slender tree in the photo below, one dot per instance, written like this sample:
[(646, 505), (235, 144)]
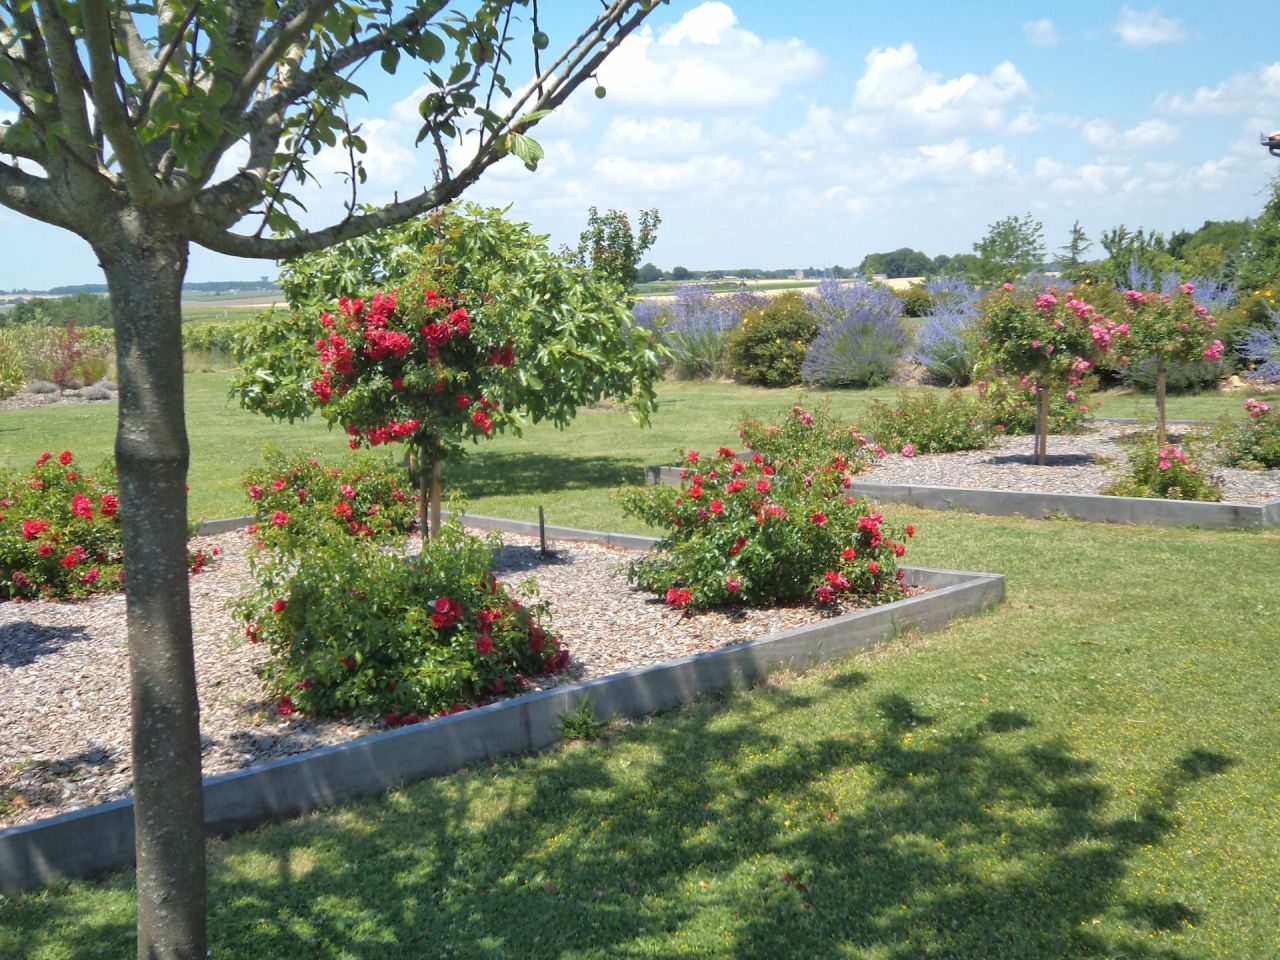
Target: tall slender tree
[(125, 109)]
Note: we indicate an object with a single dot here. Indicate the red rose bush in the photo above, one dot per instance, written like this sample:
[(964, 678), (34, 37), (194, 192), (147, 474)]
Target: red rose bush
[(744, 527), (354, 626)]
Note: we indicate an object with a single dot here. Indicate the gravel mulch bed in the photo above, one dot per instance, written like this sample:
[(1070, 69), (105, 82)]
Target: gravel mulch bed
[(24, 399), (64, 683), (1082, 463)]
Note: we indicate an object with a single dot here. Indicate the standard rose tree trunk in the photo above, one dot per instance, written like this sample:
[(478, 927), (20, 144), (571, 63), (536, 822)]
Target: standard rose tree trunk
[(1162, 368), (429, 471)]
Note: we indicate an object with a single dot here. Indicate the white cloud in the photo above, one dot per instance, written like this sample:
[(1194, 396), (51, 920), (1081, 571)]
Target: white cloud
[(1251, 91), (1143, 136), (705, 60), (895, 89), (1042, 33), (705, 173), (1086, 178), (655, 134), (1144, 28)]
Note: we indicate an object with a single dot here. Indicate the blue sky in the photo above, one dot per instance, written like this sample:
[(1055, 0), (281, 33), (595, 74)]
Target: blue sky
[(782, 135)]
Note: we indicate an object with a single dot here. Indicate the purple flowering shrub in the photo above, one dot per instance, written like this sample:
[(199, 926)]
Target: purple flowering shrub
[(947, 342), (860, 338), (698, 328)]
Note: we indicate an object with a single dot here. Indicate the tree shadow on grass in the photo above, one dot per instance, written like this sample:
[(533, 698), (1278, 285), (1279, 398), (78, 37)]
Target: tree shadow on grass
[(489, 474), (754, 832)]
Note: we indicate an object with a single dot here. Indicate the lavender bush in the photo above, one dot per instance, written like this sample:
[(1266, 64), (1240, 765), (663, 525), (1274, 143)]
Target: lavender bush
[(1261, 349), (946, 342), (860, 335), (698, 326)]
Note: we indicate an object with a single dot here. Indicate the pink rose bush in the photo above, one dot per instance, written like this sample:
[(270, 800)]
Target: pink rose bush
[(1254, 444)]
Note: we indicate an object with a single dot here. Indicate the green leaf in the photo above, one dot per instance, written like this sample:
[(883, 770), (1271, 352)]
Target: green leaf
[(529, 119), (390, 59), (431, 47), (526, 148)]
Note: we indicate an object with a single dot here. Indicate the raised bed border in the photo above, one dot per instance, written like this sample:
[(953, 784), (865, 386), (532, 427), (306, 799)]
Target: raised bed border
[(1044, 506), (100, 839)]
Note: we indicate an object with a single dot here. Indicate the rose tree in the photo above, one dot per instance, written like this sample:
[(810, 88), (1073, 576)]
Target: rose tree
[(1170, 327), (478, 326), (1049, 340)]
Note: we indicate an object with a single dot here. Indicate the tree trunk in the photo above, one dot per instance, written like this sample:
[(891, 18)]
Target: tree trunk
[(1042, 426), (429, 487), (145, 258), (1162, 369)]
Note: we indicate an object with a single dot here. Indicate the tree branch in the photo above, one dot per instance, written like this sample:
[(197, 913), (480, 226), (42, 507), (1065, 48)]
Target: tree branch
[(308, 80), (141, 63), (208, 233), (35, 197), (135, 168), (283, 35), (68, 81), (162, 64)]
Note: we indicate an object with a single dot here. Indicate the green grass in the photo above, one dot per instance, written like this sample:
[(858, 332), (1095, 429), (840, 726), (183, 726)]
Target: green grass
[(1090, 771), (571, 473)]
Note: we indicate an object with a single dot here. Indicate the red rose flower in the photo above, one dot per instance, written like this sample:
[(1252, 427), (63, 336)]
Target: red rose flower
[(279, 518), (278, 606), (64, 457), (484, 644)]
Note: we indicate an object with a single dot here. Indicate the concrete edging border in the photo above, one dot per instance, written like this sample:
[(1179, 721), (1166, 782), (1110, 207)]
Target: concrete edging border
[(100, 839), (1078, 506)]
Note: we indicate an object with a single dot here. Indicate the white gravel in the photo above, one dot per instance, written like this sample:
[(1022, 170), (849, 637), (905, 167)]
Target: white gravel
[(1082, 463), (64, 686)]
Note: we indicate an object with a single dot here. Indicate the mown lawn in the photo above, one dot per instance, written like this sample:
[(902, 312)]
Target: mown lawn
[(571, 473), (1091, 770)]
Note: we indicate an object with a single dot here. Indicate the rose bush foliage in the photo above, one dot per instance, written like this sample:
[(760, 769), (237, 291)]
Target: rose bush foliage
[(355, 626), (741, 529), (1254, 444), (1172, 471), (59, 530)]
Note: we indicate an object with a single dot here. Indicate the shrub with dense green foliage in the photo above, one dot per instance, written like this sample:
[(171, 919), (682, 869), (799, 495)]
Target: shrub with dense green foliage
[(59, 530), (355, 626), (804, 438), (362, 498), (744, 530), (929, 423), (1254, 444), (916, 301), (11, 376), (770, 345), (1172, 471), (1009, 408)]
